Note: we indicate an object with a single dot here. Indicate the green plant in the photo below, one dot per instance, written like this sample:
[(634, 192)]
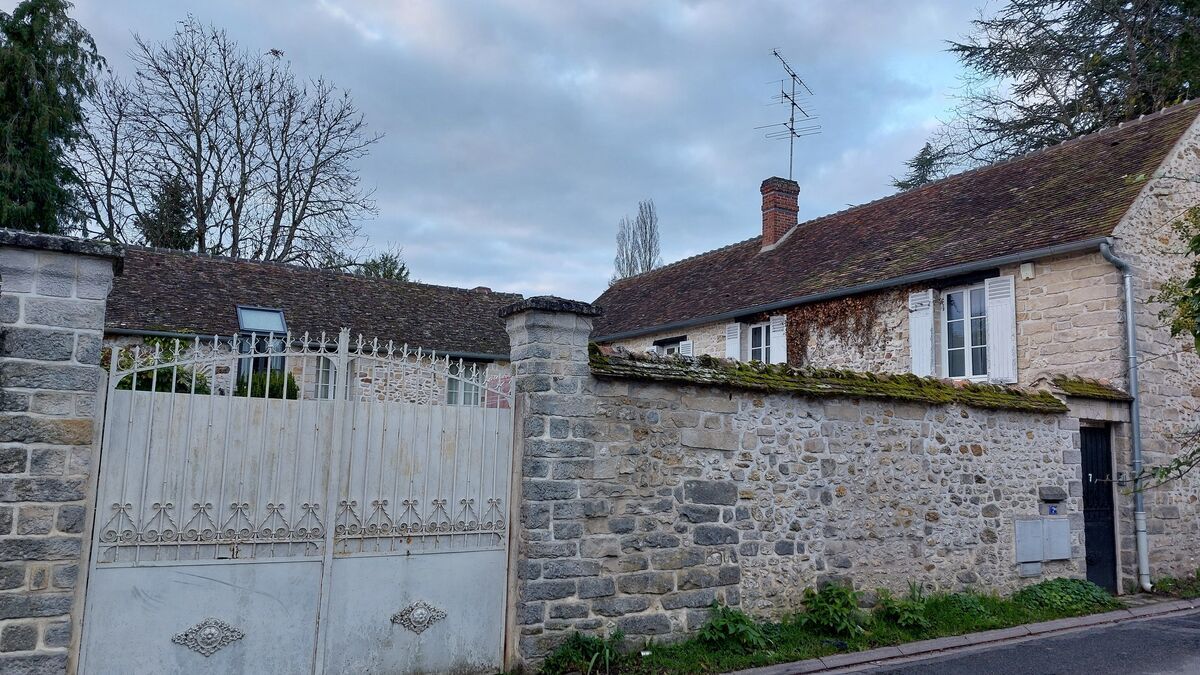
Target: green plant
[(274, 390), (833, 609), (1073, 596), (585, 654), (180, 379), (908, 613), (1181, 587), (729, 627)]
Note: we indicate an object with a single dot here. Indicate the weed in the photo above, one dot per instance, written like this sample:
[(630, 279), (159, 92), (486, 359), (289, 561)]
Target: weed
[(587, 654), (1070, 596), (1181, 587), (727, 626), (907, 613), (833, 609)]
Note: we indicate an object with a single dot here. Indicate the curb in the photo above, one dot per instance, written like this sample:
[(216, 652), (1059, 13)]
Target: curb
[(882, 655)]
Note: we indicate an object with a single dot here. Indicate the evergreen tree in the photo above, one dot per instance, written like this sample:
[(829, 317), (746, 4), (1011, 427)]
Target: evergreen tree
[(926, 166), (386, 265), (168, 223), (48, 64)]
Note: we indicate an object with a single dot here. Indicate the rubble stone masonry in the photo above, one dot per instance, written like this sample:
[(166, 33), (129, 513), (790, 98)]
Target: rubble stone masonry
[(642, 503)]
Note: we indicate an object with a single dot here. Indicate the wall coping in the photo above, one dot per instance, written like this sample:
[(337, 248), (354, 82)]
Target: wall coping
[(60, 244), (783, 379), (551, 303)]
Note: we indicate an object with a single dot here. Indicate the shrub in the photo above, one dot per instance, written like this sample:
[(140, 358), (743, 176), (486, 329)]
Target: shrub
[(1074, 596), (584, 654), (276, 387), (906, 613), (177, 380), (833, 609), (729, 627)]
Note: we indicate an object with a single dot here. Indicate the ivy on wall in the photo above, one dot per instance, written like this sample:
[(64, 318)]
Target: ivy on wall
[(854, 321)]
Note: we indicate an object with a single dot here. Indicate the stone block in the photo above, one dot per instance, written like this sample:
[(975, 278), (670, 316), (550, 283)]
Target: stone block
[(620, 605), (570, 569), (538, 447), (64, 576), (19, 637), (548, 490), (596, 587), (56, 403), (645, 624), (41, 490), (567, 530), (47, 461), (707, 439), (10, 308), (13, 459), (58, 634), (551, 549), (64, 313), (548, 590), (12, 575), (39, 663), (37, 343), (697, 513), (714, 535), (70, 518), (18, 269), (35, 519), (39, 548), (569, 610), (18, 428), (646, 582), (722, 493), (13, 401), (692, 599), (55, 377), (87, 348), (55, 275), (94, 279), (530, 613), (600, 547), (33, 605), (678, 558)]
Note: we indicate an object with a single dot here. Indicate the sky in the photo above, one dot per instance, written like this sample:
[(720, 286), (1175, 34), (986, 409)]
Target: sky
[(518, 133)]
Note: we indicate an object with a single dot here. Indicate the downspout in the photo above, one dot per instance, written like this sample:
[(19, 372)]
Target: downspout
[(1135, 423)]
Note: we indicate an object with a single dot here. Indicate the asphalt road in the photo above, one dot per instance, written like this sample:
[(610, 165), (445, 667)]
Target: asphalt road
[(1164, 646)]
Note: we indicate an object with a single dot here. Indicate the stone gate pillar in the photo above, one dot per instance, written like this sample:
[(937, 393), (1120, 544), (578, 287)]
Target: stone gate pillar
[(52, 301), (554, 454)]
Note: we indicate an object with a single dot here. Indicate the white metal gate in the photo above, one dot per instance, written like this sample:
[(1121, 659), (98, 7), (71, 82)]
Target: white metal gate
[(299, 506)]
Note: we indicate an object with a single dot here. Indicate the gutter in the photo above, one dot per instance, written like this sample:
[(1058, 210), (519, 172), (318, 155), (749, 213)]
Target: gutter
[(1135, 423), (953, 270), (142, 332)]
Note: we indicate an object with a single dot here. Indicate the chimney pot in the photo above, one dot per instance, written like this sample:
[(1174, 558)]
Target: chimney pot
[(779, 208)]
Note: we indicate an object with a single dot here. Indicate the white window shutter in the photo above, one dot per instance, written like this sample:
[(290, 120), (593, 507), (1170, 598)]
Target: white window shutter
[(920, 332), (779, 339), (685, 348), (1001, 329), (733, 341)]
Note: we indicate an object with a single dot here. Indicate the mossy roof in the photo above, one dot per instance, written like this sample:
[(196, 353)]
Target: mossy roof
[(1066, 194), (1083, 387), (706, 370)]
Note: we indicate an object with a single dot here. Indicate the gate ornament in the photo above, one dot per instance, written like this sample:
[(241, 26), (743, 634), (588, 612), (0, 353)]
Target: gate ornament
[(208, 637), (418, 616)]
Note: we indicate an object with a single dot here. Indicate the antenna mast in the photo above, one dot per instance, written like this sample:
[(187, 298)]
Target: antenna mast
[(794, 93)]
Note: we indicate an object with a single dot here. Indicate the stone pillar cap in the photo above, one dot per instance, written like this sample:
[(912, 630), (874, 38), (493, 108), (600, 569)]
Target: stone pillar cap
[(551, 303), (60, 244)]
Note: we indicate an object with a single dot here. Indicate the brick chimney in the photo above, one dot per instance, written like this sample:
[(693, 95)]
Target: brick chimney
[(779, 208)]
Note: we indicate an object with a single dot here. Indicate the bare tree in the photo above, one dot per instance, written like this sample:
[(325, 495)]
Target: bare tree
[(269, 160), (637, 243)]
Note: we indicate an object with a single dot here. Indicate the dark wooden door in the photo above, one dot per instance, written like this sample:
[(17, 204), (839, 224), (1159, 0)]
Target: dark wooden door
[(1100, 542)]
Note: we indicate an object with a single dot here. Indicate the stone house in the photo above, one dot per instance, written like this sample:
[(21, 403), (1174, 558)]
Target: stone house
[(1014, 273), (163, 295)]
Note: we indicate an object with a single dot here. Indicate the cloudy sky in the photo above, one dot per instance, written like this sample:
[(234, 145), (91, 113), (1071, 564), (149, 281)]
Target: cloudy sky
[(518, 133)]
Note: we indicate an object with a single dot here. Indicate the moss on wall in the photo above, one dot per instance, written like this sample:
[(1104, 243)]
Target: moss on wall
[(1088, 388), (706, 370)]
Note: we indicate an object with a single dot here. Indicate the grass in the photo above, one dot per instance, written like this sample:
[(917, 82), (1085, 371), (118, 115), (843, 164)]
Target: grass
[(846, 628), (1179, 587)]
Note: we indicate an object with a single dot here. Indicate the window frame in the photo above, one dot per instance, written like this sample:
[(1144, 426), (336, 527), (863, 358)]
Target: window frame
[(459, 390), (765, 349), (252, 308), (968, 343)]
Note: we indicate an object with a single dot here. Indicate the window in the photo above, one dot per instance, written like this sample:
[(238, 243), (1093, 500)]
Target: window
[(327, 378), (760, 342), (965, 333), (672, 346), (261, 320), (464, 384)]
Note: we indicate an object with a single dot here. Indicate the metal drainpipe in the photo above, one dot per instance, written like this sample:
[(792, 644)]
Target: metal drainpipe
[(1135, 423)]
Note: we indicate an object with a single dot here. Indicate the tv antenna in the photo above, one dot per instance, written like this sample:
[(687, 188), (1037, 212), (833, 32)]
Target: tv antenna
[(795, 94)]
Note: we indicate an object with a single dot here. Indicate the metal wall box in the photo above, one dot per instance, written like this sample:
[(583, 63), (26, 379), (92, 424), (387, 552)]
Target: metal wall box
[(1029, 541), (1056, 539)]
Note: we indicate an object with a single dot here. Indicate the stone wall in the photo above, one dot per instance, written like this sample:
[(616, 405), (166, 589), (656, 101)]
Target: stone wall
[(1169, 369), (643, 503), (52, 298)]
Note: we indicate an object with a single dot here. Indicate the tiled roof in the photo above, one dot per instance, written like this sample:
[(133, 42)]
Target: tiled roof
[(1065, 194), (184, 292)]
